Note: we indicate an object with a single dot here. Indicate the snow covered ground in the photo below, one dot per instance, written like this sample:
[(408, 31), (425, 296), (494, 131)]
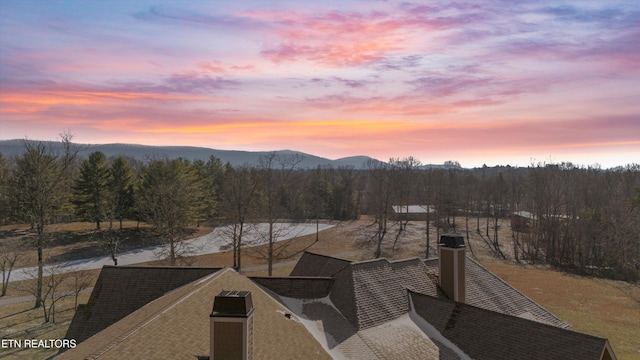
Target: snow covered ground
[(210, 243)]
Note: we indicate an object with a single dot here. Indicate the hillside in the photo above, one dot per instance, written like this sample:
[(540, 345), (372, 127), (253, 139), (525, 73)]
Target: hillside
[(15, 147)]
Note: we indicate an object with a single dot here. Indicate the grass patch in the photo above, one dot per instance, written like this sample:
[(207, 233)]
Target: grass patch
[(599, 307), (21, 321)]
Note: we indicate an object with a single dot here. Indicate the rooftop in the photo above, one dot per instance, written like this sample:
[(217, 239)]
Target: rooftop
[(176, 326), (339, 309), (121, 290)]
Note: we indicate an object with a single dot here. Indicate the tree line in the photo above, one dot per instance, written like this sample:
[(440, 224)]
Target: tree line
[(583, 219)]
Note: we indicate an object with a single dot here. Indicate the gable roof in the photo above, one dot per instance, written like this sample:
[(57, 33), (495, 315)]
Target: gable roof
[(367, 296), (312, 264), (176, 326), (488, 291), (484, 334), (357, 286), (121, 290), (369, 293)]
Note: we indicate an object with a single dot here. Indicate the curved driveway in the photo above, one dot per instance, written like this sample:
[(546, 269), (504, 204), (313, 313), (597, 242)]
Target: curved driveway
[(206, 244)]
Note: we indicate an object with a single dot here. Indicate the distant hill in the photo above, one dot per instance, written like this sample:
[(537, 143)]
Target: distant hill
[(11, 148)]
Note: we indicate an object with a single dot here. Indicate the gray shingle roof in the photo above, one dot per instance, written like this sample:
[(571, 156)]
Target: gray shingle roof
[(177, 326), (358, 312), (484, 334), (488, 291), (121, 290), (369, 293), (312, 264)]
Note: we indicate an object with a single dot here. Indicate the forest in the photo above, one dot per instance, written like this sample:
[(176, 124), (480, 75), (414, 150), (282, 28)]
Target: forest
[(579, 219)]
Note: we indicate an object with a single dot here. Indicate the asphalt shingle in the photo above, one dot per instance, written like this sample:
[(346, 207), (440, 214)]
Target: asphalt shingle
[(488, 291), (121, 290), (176, 326), (485, 334)]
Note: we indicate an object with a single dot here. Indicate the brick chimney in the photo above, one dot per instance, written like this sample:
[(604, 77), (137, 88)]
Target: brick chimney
[(451, 267), (232, 326)]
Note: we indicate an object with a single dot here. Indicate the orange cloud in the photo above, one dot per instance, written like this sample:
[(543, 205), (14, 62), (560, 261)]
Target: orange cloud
[(285, 128), (17, 102)]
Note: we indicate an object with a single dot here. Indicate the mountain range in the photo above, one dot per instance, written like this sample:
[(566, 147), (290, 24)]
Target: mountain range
[(144, 153), (16, 147)]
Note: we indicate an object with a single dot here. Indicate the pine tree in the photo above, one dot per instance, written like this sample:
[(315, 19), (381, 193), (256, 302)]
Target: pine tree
[(121, 185), (90, 191), (5, 203), (169, 199), (211, 175)]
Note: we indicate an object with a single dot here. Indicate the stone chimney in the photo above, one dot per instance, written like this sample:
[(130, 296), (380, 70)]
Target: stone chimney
[(452, 267), (232, 326)]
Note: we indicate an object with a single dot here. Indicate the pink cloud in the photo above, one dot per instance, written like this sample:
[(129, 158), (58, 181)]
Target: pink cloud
[(337, 38), (219, 67)]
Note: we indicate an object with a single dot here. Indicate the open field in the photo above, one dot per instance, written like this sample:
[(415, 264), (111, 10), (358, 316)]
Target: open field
[(600, 307), (21, 321)]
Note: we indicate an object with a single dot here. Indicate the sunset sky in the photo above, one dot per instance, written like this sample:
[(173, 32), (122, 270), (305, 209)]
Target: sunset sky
[(481, 82)]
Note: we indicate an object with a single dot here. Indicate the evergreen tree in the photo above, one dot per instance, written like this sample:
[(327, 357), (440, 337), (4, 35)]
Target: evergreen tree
[(90, 191), (211, 174), (121, 185), (5, 203), (169, 200)]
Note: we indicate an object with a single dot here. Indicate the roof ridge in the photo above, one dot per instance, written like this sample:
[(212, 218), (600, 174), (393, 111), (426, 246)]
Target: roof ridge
[(158, 314), (399, 261), (163, 267), (292, 277), (327, 256), (405, 260), (370, 261)]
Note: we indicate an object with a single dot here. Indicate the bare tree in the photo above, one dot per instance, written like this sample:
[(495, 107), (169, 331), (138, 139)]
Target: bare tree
[(111, 240), (427, 199), (468, 186), (516, 194), (80, 280), (241, 190), (276, 172), (379, 196), (8, 258), (262, 234), (50, 293), (39, 180), (404, 185)]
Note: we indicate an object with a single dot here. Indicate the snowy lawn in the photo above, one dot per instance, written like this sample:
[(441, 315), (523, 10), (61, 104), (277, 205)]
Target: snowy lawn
[(213, 242)]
